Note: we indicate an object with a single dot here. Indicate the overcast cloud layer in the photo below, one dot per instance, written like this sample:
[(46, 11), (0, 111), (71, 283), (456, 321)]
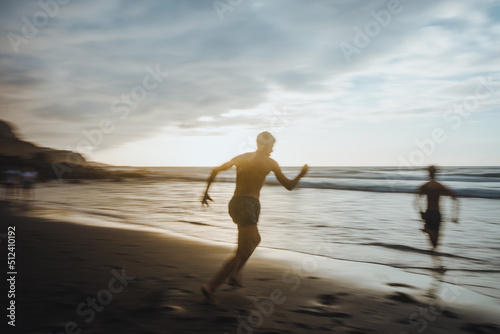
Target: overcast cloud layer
[(239, 64)]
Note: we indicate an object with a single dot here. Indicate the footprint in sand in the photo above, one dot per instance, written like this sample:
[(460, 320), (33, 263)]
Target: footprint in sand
[(401, 285), (188, 276), (402, 298), (480, 328), (327, 299), (343, 294), (403, 321), (178, 292), (172, 308), (450, 315), (300, 325), (323, 313), (224, 320)]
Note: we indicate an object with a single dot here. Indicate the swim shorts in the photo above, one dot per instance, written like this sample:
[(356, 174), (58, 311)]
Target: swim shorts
[(244, 210), (432, 219)]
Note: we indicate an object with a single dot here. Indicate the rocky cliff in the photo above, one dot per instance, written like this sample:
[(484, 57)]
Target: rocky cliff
[(12, 145)]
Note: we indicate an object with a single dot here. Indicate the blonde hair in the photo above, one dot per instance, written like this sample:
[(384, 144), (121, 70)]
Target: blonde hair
[(265, 139)]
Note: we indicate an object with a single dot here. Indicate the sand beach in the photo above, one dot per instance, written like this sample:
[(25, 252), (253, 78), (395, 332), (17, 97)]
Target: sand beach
[(73, 278)]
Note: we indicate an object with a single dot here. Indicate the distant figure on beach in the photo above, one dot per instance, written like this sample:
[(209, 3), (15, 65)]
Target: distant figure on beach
[(28, 178), (3, 177), (12, 180), (432, 216), (244, 208)]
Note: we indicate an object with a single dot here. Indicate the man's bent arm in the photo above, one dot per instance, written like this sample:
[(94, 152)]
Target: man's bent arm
[(418, 200), (451, 193), (285, 182), (456, 206), (212, 176)]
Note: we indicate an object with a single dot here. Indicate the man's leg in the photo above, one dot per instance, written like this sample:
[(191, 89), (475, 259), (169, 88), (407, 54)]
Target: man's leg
[(434, 237), (432, 222), (247, 241), (252, 233)]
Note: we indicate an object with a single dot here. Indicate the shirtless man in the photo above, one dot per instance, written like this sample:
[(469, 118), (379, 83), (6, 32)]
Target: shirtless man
[(432, 217), (244, 208)]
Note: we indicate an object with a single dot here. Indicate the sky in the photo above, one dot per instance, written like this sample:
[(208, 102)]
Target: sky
[(192, 83)]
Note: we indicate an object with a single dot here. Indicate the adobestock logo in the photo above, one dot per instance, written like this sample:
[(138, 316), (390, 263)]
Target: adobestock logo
[(223, 6), (371, 30)]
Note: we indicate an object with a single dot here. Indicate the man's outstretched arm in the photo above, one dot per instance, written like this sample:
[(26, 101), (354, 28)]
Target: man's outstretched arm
[(456, 206), (212, 177), (285, 182)]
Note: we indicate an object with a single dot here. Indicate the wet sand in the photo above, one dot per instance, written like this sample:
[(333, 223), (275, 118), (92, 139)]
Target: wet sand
[(74, 277)]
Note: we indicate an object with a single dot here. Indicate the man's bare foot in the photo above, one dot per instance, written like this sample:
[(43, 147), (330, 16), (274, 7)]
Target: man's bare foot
[(234, 282), (210, 295)]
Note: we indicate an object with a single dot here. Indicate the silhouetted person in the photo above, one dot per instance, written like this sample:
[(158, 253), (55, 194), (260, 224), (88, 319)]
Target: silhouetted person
[(3, 177), (432, 216), (244, 208), (28, 179), (13, 179)]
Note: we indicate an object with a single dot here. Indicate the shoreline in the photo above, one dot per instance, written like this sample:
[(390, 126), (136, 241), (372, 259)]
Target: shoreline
[(329, 263), (62, 264)]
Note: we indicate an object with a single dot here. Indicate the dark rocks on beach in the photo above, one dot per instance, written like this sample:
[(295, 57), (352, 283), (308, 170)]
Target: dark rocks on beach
[(51, 163)]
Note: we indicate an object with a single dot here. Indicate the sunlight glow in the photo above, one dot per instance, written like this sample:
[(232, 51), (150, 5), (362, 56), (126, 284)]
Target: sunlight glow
[(179, 150)]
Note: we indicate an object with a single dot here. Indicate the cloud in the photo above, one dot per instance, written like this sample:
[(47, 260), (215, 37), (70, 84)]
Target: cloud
[(262, 55)]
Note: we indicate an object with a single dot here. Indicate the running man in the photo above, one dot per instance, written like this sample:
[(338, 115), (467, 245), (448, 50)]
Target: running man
[(244, 208), (432, 216)]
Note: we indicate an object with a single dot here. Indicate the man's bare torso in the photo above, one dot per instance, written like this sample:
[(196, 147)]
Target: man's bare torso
[(251, 171), (434, 190)]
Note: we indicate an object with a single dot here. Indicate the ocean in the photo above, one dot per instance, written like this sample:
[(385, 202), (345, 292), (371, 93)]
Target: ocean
[(358, 214)]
